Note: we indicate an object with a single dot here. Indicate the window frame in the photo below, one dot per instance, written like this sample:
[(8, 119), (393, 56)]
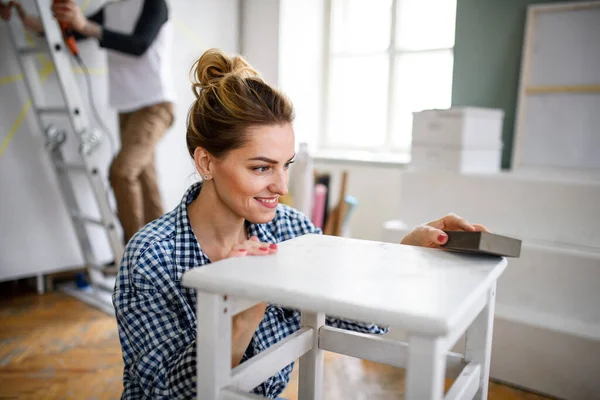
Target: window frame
[(323, 140)]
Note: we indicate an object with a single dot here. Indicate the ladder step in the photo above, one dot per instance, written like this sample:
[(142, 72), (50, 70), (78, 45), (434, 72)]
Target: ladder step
[(96, 267), (85, 218), (31, 50), (53, 110)]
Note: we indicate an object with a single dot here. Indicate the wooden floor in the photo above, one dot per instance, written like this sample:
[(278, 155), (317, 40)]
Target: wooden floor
[(55, 347)]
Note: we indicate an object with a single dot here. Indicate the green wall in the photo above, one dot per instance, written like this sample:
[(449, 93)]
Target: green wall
[(487, 58)]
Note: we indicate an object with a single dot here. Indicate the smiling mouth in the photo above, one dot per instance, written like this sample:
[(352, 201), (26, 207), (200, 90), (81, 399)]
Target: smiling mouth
[(269, 202)]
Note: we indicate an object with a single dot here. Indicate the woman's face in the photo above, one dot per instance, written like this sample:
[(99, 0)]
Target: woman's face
[(250, 180)]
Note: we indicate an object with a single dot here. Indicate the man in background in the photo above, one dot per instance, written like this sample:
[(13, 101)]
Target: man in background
[(138, 37)]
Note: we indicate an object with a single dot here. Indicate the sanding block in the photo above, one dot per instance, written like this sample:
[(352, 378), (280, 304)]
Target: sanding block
[(483, 243)]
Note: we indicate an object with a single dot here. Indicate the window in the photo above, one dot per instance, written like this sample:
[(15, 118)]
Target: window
[(387, 58)]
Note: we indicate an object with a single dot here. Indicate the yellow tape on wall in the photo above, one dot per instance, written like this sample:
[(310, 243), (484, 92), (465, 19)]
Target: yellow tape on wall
[(44, 74), (10, 79), (15, 126)]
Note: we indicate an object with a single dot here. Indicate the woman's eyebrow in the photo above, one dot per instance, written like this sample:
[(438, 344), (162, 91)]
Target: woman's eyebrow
[(265, 159), (268, 160)]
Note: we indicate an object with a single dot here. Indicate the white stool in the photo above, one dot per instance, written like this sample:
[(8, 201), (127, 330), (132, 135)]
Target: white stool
[(435, 295)]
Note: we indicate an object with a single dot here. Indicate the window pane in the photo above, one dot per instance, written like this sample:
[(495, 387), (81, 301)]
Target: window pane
[(425, 24), (359, 26), (357, 109), (422, 81)]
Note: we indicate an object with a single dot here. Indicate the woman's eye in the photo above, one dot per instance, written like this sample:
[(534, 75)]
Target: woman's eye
[(261, 169)]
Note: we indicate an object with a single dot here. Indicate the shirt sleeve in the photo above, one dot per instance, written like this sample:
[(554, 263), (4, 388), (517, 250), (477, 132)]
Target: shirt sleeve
[(157, 338), (356, 326), (153, 16)]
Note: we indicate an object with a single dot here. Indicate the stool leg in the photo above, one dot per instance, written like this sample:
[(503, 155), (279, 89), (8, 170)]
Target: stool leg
[(310, 379), (479, 342), (426, 369), (213, 345)]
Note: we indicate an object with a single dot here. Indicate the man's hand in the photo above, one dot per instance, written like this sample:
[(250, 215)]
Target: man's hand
[(29, 22), (68, 11)]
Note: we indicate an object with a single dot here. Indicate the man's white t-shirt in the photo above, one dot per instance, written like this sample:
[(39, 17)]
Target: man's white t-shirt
[(137, 81)]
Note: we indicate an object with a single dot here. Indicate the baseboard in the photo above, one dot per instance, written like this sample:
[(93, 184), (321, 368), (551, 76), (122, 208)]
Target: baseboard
[(543, 360)]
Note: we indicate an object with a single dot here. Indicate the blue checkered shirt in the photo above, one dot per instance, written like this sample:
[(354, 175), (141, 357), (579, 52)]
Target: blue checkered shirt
[(156, 315)]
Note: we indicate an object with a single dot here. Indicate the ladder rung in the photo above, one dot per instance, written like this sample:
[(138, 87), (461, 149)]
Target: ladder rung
[(53, 110), (96, 267), (71, 166), (31, 50), (85, 218)]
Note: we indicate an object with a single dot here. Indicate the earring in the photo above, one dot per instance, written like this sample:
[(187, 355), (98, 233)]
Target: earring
[(206, 177)]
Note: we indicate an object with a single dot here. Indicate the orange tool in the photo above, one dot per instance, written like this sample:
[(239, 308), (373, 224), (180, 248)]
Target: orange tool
[(68, 35)]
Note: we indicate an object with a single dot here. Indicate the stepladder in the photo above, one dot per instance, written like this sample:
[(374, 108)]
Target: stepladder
[(74, 149)]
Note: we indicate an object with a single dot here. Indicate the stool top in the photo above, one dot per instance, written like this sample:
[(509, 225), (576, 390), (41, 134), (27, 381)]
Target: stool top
[(414, 288)]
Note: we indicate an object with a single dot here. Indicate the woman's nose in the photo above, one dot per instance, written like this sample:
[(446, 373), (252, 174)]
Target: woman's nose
[(280, 184)]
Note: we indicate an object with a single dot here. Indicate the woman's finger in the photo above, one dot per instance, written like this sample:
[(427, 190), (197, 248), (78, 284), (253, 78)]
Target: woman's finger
[(258, 251), (256, 247), (428, 236), (454, 222), (273, 247), (238, 253), (254, 243), (434, 237), (481, 228)]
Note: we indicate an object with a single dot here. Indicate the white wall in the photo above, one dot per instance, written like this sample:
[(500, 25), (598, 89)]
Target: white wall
[(301, 64), (199, 25), (282, 39), (259, 41), (377, 188), (35, 229)]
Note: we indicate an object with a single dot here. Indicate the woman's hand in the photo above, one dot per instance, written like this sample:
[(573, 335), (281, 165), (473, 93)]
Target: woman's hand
[(68, 11), (432, 234), (244, 324), (252, 247)]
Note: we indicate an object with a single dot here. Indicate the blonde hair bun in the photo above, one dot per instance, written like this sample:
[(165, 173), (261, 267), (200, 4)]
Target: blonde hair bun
[(215, 66)]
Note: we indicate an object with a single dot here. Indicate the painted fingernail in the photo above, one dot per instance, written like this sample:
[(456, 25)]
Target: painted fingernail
[(263, 248), (442, 238), (273, 246), (242, 250)]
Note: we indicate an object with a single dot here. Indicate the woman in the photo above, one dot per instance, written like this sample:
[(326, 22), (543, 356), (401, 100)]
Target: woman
[(241, 139), (138, 37)]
